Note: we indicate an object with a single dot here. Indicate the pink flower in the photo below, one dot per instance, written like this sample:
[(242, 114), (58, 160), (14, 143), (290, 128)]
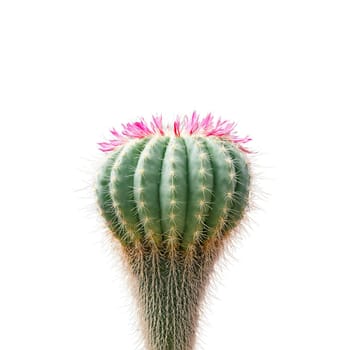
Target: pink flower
[(181, 126)]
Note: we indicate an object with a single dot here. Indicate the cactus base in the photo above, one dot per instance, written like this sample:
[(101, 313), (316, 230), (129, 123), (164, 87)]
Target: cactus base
[(169, 287)]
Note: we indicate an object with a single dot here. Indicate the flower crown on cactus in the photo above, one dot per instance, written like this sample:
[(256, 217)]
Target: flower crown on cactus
[(206, 126)]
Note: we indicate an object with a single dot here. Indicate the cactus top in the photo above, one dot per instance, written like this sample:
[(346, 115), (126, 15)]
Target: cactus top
[(206, 126), (178, 184)]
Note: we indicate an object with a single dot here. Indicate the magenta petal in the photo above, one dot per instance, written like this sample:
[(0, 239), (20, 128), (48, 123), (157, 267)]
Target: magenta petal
[(105, 147), (157, 125), (115, 133), (194, 123), (177, 127)]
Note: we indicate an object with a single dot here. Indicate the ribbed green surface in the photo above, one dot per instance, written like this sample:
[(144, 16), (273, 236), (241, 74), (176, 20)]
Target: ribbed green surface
[(199, 189), (147, 180), (104, 198), (173, 191), (181, 190), (122, 187), (241, 190)]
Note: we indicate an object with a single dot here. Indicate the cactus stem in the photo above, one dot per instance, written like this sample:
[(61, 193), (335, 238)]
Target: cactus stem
[(171, 196)]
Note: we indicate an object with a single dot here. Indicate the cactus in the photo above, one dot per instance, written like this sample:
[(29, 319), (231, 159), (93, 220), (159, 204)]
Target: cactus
[(173, 195)]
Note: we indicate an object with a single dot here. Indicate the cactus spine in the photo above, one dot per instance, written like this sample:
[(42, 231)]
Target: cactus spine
[(172, 200)]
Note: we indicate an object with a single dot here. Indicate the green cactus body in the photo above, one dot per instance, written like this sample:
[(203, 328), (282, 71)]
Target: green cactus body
[(172, 200)]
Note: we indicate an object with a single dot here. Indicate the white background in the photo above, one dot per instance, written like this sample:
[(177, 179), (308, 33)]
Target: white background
[(71, 70)]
